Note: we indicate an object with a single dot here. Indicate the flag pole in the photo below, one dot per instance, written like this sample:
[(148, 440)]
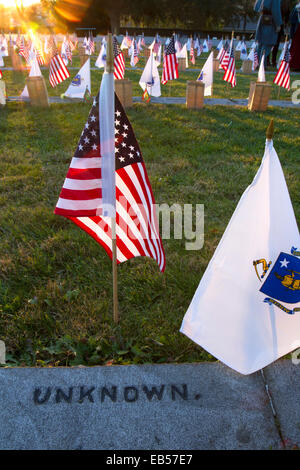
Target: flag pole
[(270, 130), (110, 69)]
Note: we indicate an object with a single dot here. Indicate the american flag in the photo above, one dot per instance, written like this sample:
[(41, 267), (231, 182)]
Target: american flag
[(81, 196), (23, 49), (58, 71), (119, 62), (90, 45), (39, 57), (229, 75), (283, 75), (135, 56), (255, 59), (224, 56), (170, 65)]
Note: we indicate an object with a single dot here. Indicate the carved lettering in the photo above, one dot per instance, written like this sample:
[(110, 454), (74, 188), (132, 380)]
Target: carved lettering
[(182, 393), (36, 396), (112, 394), (62, 396), (150, 393), (131, 394), (86, 394)]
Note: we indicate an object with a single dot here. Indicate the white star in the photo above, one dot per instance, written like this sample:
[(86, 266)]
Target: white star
[(116, 150), (117, 122), (123, 144), (138, 154), (86, 126), (284, 263), (80, 147), (87, 140), (94, 147), (122, 159), (131, 147), (93, 118), (124, 135), (116, 139), (125, 127), (94, 133), (116, 131), (118, 113), (130, 155), (94, 103)]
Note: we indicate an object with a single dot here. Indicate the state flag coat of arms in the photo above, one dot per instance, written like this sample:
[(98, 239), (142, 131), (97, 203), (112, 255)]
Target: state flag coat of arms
[(246, 309)]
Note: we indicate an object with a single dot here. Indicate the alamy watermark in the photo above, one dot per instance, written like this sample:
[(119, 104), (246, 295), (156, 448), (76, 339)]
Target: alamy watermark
[(296, 94), (296, 357), (144, 222)]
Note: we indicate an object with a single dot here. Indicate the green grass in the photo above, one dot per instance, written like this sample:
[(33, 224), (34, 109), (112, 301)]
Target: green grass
[(15, 81), (56, 282)]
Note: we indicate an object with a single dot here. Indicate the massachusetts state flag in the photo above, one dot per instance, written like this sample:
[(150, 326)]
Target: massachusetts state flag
[(246, 309)]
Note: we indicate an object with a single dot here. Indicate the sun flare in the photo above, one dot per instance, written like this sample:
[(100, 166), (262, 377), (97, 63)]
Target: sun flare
[(17, 3)]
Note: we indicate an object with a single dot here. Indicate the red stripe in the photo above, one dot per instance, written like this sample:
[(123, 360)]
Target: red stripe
[(81, 195), (124, 176), (84, 174), (149, 205), (76, 213)]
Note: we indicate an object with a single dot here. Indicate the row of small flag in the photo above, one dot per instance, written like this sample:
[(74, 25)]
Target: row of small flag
[(58, 71)]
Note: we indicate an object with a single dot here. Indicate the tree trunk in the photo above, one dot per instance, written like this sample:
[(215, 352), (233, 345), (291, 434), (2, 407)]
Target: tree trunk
[(114, 17)]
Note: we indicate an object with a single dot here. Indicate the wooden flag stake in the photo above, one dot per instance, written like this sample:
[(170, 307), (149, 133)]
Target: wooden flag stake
[(270, 130), (110, 69)]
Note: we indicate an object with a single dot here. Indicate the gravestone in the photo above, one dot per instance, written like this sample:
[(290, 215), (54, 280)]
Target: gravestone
[(149, 407)]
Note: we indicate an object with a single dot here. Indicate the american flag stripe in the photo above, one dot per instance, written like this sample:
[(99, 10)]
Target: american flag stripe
[(170, 70), (119, 61), (283, 75), (58, 71), (119, 66), (81, 196), (170, 65), (134, 190)]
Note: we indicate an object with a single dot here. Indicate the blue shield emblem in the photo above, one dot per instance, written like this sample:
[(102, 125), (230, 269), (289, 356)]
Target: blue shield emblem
[(283, 281), (76, 80)]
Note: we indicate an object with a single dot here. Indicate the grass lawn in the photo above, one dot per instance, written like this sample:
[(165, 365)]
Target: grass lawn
[(55, 281)]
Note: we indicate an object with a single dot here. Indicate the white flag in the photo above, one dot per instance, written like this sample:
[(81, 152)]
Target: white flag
[(35, 71), (244, 311), (207, 75), (101, 60), (150, 78), (183, 54), (244, 53), (205, 46), (220, 45), (261, 71), (80, 82)]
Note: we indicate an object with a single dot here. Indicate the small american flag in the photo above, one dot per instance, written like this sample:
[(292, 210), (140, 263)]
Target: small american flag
[(255, 59), (58, 71), (119, 62), (224, 56), (170, 65), (229, 75), (90, 45), (135, 56), (81, 196), (23, 49), (282, 77)]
